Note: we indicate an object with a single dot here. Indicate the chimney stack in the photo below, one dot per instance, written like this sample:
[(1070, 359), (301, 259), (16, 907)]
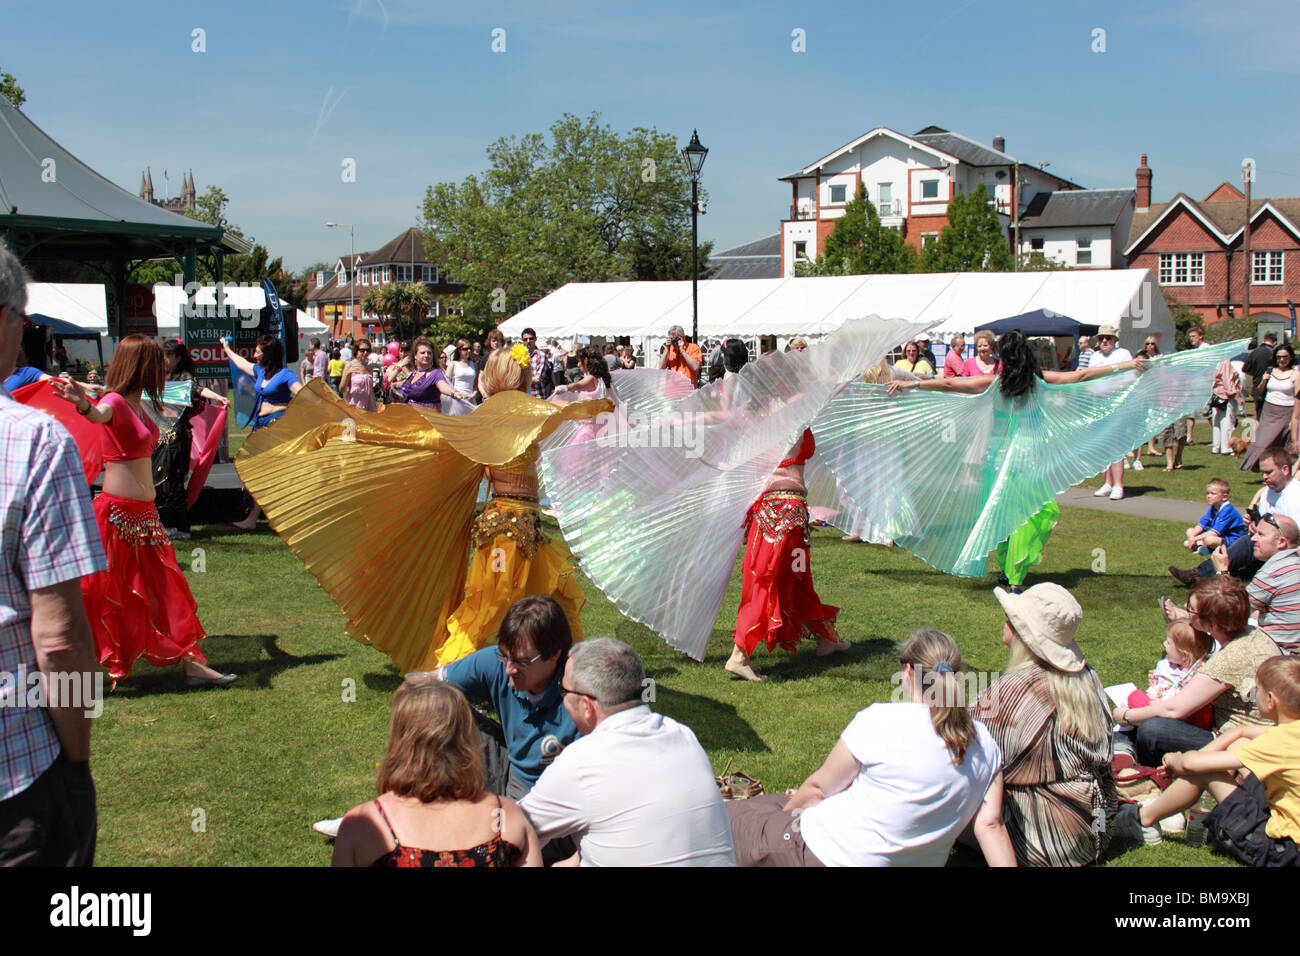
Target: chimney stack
[(1143, 186), (1000, 144)]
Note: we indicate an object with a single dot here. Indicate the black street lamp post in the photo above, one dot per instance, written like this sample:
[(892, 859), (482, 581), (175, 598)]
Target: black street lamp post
[(694, 155)]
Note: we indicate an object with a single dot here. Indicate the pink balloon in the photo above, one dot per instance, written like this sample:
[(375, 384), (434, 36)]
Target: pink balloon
[(389, 359), (394, 349)]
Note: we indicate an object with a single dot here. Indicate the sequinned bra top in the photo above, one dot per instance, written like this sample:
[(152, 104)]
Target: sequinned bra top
[(520, 472), (496, 852), (127, 436), (802, 452)]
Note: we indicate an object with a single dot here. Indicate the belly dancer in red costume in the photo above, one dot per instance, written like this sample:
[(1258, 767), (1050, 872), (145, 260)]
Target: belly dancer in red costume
[(141, 605), (777, 601)]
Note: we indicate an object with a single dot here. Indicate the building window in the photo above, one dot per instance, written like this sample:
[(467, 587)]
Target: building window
[(800, 250), (886, 191), (404, 273), (929, 189), (433, 308), (342, 276), (388, 275), (1083, 253), (431, 274), (1036, 244), (928, 239), (839, 193), (1182, 268), (1267, 268)]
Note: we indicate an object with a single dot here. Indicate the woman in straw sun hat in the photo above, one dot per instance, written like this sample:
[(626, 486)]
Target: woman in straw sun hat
[(1048, 714)]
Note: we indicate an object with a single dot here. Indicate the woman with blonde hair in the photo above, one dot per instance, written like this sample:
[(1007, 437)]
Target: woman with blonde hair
[(1050, 718), (431, 789), (901, 784), (438, 461), (913, 362)]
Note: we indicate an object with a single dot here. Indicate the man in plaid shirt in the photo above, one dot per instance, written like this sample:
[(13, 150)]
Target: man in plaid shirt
[(540, 387), (49, 542)]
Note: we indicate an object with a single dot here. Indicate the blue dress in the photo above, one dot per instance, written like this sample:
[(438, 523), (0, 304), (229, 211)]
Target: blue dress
[(275, 390)]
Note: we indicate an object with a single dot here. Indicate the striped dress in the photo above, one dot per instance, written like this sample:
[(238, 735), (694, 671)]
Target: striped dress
[(1059, 796)]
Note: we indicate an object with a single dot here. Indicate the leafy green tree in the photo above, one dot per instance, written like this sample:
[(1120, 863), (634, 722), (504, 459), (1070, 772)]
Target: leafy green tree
[(973, 240), (860, 245), (1037, 262), (586, 204), (667, 258), (11, 91)]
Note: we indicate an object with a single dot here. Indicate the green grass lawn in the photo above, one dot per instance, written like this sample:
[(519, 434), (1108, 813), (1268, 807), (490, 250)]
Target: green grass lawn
[(283, 747)]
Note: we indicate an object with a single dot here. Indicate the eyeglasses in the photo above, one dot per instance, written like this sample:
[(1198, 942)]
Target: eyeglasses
[(577, 693), (1191, 611), (518, 663)]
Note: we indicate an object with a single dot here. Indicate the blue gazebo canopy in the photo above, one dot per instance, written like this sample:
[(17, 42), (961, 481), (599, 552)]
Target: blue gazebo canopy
[(1040, 322)]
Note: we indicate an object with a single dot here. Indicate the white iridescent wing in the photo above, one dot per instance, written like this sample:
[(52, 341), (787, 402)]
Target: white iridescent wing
[(655, 512)]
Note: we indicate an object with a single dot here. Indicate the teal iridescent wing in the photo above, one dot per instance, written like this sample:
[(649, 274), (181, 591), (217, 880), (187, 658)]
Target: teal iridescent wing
[(950, 476)]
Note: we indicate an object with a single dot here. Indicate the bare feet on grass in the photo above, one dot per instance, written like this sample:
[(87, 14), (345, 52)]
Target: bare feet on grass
[(738, 664)]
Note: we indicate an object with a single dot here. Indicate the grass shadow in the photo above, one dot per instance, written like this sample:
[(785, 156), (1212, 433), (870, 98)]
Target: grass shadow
[(258, 657), (717, 725)]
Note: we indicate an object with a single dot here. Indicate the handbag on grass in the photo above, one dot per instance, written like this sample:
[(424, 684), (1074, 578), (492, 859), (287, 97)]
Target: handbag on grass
[(1134, 783)]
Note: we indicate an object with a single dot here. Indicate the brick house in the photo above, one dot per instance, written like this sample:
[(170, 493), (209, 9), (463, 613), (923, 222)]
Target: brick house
[(1194, 249), (401, 260), (910, 179)]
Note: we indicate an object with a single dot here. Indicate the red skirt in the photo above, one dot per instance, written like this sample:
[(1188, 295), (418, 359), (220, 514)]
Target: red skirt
[(141, 605), (777, 601)]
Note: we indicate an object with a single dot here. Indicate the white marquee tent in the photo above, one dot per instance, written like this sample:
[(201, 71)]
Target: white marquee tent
[(956, 302)]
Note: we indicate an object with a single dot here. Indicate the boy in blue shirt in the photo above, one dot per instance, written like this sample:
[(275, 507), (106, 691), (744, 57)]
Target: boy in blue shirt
[(1221, 524)]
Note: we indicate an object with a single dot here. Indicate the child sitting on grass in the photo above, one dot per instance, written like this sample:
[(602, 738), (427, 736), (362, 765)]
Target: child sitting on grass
[(1185, 651), (1256, 783), (1221, 523)]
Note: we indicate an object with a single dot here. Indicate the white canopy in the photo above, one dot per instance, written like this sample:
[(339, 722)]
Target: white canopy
[(1126, 298), (82, 304)]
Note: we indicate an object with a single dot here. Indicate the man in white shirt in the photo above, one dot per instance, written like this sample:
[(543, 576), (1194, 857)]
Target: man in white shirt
[(1108, 352), (637, 788)]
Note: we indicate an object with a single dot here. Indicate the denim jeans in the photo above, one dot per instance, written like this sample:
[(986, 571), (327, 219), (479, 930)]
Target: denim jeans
[(1157, 736), (1241, 561)]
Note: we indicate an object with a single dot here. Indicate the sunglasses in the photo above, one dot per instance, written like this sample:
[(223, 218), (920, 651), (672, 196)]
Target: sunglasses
[(1269, 519)]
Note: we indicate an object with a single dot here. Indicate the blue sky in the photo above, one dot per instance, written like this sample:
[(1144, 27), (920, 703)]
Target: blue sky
[(286, 91)]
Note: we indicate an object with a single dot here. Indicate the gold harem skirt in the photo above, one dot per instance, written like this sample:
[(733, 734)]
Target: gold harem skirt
[(513, 558)]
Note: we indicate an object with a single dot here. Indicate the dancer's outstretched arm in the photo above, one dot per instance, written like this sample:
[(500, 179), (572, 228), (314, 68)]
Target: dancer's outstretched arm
[(1096, 371), (972, 384)]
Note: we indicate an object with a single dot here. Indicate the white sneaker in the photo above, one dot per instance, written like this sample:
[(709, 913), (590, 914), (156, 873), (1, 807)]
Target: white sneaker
[(1127, 465), (329, 828), (1103, 491), (1117, 493), (1137, 464)]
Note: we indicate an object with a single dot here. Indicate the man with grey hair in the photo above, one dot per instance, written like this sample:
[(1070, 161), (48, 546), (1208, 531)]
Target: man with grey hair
[(637, 788), (49, 542), (682, 356)]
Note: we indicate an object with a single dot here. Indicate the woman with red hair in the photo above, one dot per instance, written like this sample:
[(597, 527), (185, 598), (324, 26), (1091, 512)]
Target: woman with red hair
[(141, 605)]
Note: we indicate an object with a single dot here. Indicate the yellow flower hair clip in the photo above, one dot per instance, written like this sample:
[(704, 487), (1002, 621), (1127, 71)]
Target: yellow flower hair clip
[(519, 352)]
